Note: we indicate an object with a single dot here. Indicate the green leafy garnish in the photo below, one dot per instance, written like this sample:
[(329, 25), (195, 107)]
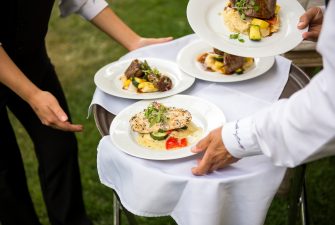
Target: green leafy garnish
[(218, 58), (155, 113), (146, 69), (241, 5), (234, 36), (237, 37)]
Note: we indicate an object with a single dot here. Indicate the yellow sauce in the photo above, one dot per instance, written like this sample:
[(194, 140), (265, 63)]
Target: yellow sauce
[(192, 133)]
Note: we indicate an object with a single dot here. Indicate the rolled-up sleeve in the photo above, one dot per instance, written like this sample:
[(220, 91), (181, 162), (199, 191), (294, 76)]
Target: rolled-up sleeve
[(86, 8)]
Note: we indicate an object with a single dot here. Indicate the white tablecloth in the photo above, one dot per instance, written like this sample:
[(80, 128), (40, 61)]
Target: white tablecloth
[(237, 195)]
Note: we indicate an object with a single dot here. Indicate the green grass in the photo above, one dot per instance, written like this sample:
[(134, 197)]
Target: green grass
[(78, 50)]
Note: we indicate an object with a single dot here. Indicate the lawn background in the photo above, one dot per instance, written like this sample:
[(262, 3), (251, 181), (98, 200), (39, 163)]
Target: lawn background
[(78, 50)]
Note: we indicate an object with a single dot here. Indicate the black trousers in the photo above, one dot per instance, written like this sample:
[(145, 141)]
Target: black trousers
[(58, 168)]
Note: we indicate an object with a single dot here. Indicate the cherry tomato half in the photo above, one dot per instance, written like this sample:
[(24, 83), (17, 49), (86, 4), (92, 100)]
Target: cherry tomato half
[(173, 142)]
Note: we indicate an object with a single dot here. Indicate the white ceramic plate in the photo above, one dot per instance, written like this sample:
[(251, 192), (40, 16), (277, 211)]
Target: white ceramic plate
[(108, 79), (206, 21), (205, 115), (187, 61)]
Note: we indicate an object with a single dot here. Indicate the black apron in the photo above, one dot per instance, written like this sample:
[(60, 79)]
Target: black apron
[(23, 27)]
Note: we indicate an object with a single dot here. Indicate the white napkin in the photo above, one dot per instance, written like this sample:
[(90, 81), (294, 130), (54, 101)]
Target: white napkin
[(239, 194)]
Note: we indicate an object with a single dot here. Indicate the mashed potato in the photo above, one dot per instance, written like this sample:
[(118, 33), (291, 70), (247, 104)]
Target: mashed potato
[(192, 133), (233, 21)]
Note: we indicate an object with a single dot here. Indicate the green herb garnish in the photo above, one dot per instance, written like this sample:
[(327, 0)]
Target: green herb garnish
[(146, 69), (234, 36), (237, 37), (241, 5), (155, 113)]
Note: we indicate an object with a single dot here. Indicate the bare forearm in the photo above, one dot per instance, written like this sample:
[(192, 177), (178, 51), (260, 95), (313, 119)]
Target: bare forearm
[(113, 26), (12, 77)]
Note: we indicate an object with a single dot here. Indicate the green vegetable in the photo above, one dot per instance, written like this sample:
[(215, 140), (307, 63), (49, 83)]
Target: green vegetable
[(183, 128), (219, 58), (159, 135), (136, 81), (255, 33), (155, 113), (236, 36), (146, 69), (239, 71)]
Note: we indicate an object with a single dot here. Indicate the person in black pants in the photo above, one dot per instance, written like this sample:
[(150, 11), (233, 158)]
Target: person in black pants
[(30, 89)]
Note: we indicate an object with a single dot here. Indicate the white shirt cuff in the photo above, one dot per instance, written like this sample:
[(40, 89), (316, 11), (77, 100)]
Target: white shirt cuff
[(92, 8), (239, 138), (86, 8)]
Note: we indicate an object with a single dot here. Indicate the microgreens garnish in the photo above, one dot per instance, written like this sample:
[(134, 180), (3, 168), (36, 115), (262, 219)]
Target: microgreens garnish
[(155, 113), (146, 69), (237, 37), (241, 5)]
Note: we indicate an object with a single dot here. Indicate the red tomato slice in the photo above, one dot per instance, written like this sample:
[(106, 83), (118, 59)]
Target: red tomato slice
[(183, 142), (173, 142)]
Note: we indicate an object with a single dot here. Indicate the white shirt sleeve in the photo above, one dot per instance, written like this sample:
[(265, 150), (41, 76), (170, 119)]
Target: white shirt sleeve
[(293, 131), (86, 8)]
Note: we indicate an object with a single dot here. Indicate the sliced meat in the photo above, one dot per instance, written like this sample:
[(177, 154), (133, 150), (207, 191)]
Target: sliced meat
[(161, 82), (232, 62), (134, 69), (176, 118), (164, 83), (263, 9), (153, 78)]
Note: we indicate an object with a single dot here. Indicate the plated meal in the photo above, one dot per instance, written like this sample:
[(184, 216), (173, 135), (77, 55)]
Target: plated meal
[(200, 60), (255, 18), (164, 128), (253, 28), (142, 78), (222, 62)]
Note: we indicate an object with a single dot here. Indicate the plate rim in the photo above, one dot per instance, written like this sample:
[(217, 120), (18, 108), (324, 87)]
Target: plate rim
[(205, 33), (99, 77), (183, 152), (270, 60)]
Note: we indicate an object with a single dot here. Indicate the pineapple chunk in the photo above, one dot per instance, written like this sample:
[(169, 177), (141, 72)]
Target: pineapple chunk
[(277, 9), (261, 23), (126, 84), (146, 87), (218, 65), (255, 33)]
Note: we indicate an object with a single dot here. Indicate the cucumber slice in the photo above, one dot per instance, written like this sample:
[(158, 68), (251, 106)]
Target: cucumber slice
[(159, 135), (136, 81), (183, 128)]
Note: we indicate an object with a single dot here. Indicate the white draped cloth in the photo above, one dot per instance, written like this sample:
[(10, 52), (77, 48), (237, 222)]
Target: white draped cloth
[(237, 195)]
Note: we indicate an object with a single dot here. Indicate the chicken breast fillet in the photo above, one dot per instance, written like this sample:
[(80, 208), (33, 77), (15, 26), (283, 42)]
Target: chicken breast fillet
[(176, 118)]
